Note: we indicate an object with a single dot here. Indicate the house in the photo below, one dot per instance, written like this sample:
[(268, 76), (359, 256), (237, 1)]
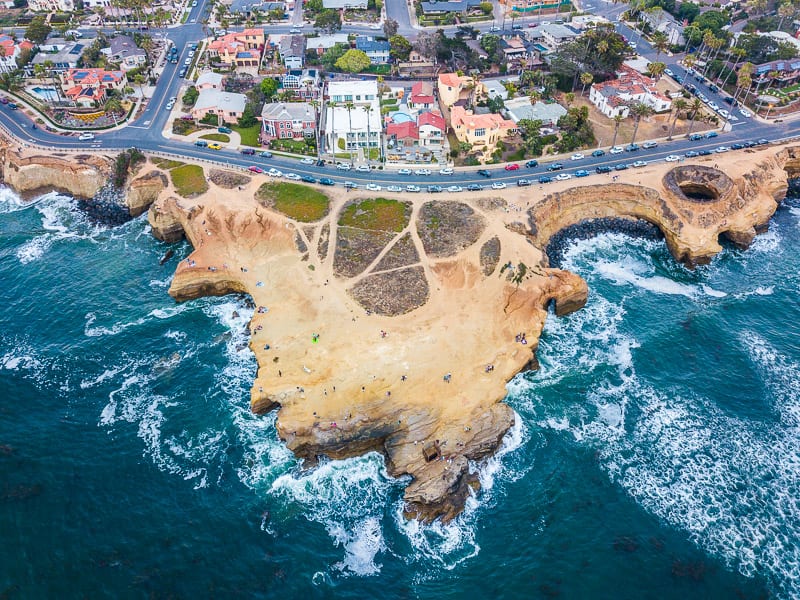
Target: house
[(584, 22), (62, 60), (479, 130), (288, 120), (784, 72), (660, 20), (210, 81), (359, 127), (450, 6), (614, 97), (495, 89), (431, 128), (421, 97), (303, 82), (453, 87), (90, 87), (240, 49), (527, 6), (345, 4), (51, 5), (10, 51), (124, 52), (416, 65), (547, 112), (249, 8), (292, 49), (322, 43), (554, 34), (54, 44), (378, 52), (228, 106), (514, 50), (402, 137)]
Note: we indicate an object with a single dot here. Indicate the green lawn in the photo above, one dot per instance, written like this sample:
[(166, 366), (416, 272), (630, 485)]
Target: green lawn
[(298, 202), (379, 214), (189, 180), (216, 137), (292, 145), (165, 163), (249, 134)]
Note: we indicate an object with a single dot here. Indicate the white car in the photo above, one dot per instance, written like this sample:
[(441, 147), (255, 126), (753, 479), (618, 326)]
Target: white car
[(422, 172), (724, 113), (577, 156), (343, 166), (721, 149), (86, 136), (191, 53), (672, 158), (745, 113), (446, 171), (455, 188), (563, 176), (372, 187), (669, 72), (404, 172), (394, 188), (307, 161), (169, 105), (616, 150), (498, 185), (412, 188), (292, 176), (494, 28), (713, 106), (275, 173), (640, 163), (363, 168), (733, 118)]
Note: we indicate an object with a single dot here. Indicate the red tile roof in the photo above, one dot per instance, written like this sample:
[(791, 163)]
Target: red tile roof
[(403, 130), (431, 118)]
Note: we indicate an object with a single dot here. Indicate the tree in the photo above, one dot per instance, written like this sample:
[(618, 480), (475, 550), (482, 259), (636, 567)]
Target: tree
[(353, 61), (368, 109), (38, 30), (427, 43), (400, 48), (586, 79), (656, 69), (618, 119), (248, 118), (190, 97), (333, 54), (490, 43), (639, 111), (328, 20), (390, 27), (269, 87), (599, 51), (660, 42), (349, 107), (786, 10), (679, 105), (486, 8), (10, 81), (569, 98), (695, 108)]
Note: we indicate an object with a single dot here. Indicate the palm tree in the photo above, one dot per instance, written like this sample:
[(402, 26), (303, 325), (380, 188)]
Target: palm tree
[(660, 42), (332, 106), (368, 109), (785, 11), (639, 111), (586, 79), (10, 81), (689, 60), (656, 69), (739, 53), (349, 106), (534, 96), (569, 98), (315, 106), (695, 107), (679, 105), (618, 119)]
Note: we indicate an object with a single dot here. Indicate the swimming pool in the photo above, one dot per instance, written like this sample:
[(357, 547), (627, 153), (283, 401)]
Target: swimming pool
[(48, 94)]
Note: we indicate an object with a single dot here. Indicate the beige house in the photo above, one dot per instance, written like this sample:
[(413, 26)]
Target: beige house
[(228, 106), (209, 81), (479, 130), (453, 87)]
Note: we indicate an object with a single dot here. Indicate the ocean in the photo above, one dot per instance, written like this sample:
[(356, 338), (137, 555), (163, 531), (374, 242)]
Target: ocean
[(656, 452)]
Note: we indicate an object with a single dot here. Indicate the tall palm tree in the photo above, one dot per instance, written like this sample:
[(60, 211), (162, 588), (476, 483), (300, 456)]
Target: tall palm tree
[(618, 119), (569, 98), (679, 105), (695, 108), (332, 106), (656, 69), (315, 106), (785, 11), (586, 79), (660, 42), (368, 109), (639, 111), (739, 53), (349, 106), (534, 96)]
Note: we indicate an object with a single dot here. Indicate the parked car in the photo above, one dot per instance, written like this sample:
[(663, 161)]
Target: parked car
[(85, 136), (224, 130), (12, 106), (498, 185), (307, 161), (201, 143), (721, 149), (255, 169), (275, 173), (3, 100), (763, 142), (523, 182), (484, 173), (577, 156), (602, 169), (745, 113), (672, 158), (597, 153), (326, 181), (434, 189), (691, 154), (512, 167), (446, 171), (413, 188), (248, 151), (696, 136), (404, 172), (545, 179), (292, 176), (669, 72), (350, 185), (393, 188), (563, 176), (308, 179), (631, 147), (581, 173), (737, 146), (555, 167), (363, 168), (474, 187), (617, 150), (704, 153), (422, 172), (649, 145), (374, 187), (620, 167), (320, 163), (531, 164), (711, 134), (640, 163), (265, 154), (455, 188), (343, 166)]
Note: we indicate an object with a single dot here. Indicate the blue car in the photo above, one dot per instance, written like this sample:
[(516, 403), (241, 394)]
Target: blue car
[(599, 153), (545, 179), (582, 173), (712, 134)]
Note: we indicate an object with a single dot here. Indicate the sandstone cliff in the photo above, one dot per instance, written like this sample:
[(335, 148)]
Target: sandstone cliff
[(80, 176)]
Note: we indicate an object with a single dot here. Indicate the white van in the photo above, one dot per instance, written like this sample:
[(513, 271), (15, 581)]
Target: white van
[(86, 136), (74, 33)]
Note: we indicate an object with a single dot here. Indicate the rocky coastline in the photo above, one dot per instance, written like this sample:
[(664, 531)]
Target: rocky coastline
[(397, 333)]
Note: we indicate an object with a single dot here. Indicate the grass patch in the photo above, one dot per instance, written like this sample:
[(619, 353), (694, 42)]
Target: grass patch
[(298, 202), (292, 145), (378, 214), (216, 137), (249, 135), (166, 163), (189, 180)]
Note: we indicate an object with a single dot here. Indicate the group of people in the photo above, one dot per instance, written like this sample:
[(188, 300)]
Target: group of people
[(520, 339)]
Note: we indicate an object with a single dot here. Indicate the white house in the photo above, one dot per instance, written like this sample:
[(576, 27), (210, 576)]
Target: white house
[(51, 5), (554, 34), (359, 127), (615, 97), (344, 4)]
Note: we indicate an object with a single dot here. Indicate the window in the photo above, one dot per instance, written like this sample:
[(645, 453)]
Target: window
[(480, 132)]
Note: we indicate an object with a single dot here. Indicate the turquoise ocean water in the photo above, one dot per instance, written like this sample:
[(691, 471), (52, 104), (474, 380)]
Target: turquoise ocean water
[(656, 454)]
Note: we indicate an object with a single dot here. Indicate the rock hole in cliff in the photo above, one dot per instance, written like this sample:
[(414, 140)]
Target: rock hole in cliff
[(699, 192)]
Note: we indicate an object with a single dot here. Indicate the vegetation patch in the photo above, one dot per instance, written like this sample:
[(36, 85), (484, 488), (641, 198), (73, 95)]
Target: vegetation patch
[(189, 180), (216, 137), (298, 202), (401, 254), (322, 243), (356, 249), (165, 163), (227, 179), (490, 256), (393, 293), (126, 163), (378, 214), (249, 135), (446, 228)]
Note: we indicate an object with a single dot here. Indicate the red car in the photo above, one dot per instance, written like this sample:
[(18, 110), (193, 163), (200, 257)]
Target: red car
[(512, 167), (255, 169)]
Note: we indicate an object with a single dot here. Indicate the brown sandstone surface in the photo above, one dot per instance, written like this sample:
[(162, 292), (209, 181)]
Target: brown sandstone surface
[(80, 175), (347, 380)]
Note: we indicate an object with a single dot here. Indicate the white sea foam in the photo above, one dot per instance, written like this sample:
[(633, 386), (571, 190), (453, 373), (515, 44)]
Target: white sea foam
[(10, 201), (89, 330)]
